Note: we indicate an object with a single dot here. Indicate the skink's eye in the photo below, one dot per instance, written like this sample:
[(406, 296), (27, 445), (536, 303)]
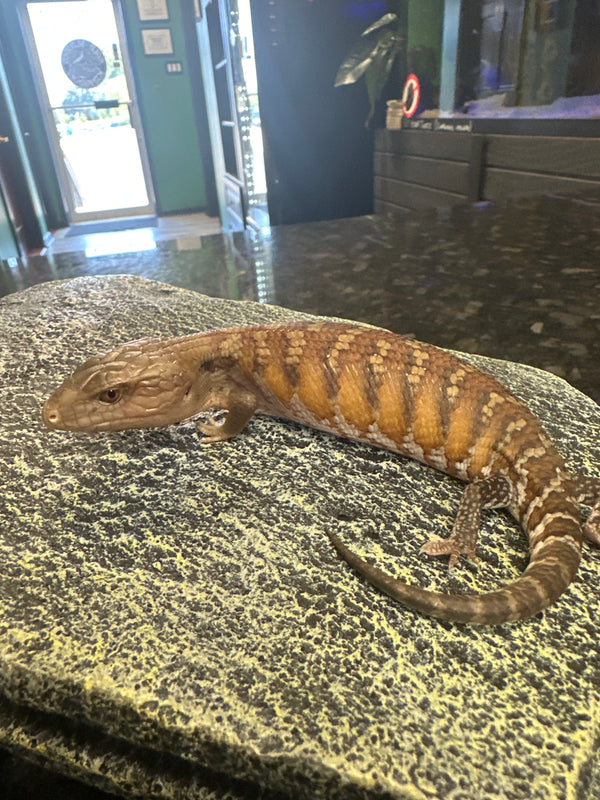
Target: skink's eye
[(110, 396)]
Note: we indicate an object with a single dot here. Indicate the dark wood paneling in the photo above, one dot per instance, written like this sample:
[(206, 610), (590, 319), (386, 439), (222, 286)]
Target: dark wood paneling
[(451, 176), (412, 196), (431, 144), (555, 155), (501, 184), (424, 169), (587, 128)]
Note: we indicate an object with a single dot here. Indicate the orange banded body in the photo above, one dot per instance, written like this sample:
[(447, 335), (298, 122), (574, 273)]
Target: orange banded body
[(373, 386)]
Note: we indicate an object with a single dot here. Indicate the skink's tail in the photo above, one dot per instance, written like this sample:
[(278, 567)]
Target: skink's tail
[(543, 581), (553, 522)]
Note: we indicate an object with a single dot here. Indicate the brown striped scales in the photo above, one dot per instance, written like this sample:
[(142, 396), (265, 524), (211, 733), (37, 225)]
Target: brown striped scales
[(372, 386)]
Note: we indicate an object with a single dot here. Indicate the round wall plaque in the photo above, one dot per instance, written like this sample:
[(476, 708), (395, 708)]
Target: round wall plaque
[(83, 63)]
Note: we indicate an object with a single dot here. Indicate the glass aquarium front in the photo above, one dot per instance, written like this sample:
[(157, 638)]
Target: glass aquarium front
[(524, 59)]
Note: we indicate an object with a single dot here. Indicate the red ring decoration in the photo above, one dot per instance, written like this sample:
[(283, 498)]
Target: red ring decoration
[(412, 83)]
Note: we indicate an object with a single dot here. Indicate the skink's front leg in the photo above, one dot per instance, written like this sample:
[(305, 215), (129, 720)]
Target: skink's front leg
[(240, 404)]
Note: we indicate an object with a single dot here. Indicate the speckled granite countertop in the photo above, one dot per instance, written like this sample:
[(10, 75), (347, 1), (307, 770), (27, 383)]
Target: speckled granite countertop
[(519, 281), (176, 625)]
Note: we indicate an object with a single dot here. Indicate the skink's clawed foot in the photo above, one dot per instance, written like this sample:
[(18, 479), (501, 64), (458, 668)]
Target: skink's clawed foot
[(208, 440), (449, 547), (235, 408), (211, 432), (591, 529)]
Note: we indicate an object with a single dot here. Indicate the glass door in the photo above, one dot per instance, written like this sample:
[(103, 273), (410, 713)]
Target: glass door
[(231, 92), (92, 117)]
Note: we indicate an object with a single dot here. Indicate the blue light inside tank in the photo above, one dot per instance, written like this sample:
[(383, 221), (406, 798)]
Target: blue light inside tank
[(365, 9)]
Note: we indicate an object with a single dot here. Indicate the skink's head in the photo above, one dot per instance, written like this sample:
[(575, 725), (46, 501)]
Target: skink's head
[(139, 385)]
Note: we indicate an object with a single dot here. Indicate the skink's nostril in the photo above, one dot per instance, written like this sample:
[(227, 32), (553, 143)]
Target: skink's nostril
[(50, 415)]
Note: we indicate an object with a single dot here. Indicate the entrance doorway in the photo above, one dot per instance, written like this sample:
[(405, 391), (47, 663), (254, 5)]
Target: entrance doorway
[(85, 84)]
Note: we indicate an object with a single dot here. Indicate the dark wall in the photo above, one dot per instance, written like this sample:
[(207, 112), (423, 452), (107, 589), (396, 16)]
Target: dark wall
[(319, 157)]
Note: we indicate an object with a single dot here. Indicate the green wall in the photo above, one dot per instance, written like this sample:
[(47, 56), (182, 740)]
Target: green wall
[(425, 23), (168, 115), (8, 246), (424, 42)]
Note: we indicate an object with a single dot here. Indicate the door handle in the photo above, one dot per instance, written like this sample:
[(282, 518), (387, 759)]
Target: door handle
[(100, 104), (4, 139)]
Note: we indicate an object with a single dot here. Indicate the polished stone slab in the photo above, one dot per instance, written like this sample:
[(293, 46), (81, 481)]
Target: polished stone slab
[(175, 622), (519, 281)]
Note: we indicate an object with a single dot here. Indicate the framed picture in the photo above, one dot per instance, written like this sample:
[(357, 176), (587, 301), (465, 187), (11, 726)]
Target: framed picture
[(157, 41), (152, 9)]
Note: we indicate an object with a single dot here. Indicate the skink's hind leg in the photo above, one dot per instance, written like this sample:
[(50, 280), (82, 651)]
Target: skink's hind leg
[(492, 492), (589, 495)]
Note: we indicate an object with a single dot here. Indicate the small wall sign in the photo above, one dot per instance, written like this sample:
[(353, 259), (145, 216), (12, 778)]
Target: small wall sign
[(157, 41), (152, 9)]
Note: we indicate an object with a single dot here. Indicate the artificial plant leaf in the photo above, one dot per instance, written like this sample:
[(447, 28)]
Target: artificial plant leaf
[(362, 54), (385, 20), (388, 48), (373, 58), (356, 63)]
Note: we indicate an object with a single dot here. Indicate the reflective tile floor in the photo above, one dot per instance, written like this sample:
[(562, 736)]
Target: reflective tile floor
[(187, 228)]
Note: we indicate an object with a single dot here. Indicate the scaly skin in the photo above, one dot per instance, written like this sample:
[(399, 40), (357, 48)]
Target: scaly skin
[(372, 386)]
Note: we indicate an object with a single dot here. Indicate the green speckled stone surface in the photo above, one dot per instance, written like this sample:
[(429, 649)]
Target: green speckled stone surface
[(175, 623)]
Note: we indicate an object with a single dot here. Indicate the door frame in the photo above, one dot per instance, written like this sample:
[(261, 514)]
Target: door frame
[(52, 132), (236, 208), (21, 203)]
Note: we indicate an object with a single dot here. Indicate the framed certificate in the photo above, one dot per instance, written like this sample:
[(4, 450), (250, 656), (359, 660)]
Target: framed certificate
[(152, 9), (157, 41)]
